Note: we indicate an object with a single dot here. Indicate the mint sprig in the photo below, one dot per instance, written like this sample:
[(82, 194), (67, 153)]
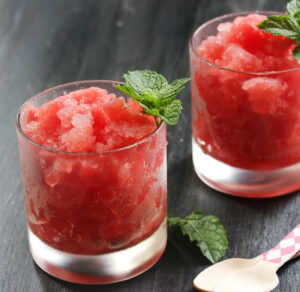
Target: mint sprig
[(293, 7), (206, 231), (154, 94), (286, 25)]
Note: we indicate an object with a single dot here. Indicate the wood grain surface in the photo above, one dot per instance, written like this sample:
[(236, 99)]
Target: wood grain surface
[(45, 43)]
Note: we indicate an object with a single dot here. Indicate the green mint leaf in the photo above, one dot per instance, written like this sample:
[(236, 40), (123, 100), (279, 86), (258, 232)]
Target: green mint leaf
[(281, 25), (173, 221), (146, 110), (292, 7), (127, 90), (296, 53), (170, 114), (206, 231), (196, 215), (153, 93), (168, 92), (297, 18), (286, 25), (144, 81)]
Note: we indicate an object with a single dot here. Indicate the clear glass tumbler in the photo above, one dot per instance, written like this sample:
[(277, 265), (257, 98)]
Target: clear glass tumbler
[(246, 134), (94, 217)]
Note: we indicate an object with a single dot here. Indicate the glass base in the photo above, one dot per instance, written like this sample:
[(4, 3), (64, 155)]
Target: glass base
[(99, 269), (242, 182)]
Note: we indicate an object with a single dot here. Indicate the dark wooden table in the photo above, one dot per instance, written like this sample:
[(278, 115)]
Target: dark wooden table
[(45, 43)]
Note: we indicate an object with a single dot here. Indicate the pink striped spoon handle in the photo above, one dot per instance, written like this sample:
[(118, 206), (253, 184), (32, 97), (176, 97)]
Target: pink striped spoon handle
[(286, 249)]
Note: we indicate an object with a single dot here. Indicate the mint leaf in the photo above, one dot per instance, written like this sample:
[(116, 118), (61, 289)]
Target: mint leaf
[(286, 25), (144, 81), (173, 221), (281, 25), (206, 231), (170, 91), (292, 7), (126, 89), (170, 114), (153, 93), (296, 53)]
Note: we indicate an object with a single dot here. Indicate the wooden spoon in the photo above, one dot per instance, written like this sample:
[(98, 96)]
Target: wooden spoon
[(261, 277), (224, 273)]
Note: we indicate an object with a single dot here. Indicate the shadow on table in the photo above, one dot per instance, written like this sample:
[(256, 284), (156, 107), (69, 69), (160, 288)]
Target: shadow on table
[(265, 208), (187, 250)]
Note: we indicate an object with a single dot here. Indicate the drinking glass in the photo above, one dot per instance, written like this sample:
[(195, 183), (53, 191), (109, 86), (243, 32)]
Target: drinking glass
[(246, 126), (94, 217)]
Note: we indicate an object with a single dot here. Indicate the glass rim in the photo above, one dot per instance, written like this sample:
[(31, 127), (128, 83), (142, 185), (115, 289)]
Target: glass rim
[(224, 16), (20, 130)]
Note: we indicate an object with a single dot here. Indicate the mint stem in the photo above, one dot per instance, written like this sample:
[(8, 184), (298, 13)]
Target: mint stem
[(157, 121)]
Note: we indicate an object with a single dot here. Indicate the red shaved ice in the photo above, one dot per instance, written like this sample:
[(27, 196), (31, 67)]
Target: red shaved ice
[(87, 120), (100, 184), (245, 96)]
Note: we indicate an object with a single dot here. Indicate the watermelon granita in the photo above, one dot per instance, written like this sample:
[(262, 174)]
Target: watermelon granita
[(94, 170), (245, 95)]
